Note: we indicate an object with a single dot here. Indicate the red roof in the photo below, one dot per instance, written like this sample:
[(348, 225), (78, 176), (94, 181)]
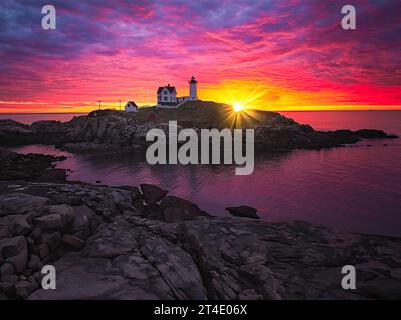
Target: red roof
[(169, 88)]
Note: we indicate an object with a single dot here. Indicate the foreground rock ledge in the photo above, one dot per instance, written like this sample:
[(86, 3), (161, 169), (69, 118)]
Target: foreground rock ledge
[(107, 243)]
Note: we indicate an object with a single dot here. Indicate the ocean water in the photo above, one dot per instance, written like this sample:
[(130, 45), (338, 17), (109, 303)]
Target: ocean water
[(351, 188)]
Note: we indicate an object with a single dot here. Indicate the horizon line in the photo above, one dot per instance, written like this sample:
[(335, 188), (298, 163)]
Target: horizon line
[(277, 111)]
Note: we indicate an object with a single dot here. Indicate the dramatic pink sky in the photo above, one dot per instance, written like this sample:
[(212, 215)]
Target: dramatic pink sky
[(275, 55)]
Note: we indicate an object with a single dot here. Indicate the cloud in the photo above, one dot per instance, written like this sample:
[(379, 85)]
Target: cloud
[(119, 49)]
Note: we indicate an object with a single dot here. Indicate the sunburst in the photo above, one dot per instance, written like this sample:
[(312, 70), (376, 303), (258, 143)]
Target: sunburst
[(237, 107)]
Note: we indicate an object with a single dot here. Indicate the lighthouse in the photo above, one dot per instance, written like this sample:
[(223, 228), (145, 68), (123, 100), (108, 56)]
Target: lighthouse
[(192, 89), (167, 95)]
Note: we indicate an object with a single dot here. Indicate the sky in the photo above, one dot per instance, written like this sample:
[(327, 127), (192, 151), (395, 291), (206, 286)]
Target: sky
[(272, 55)]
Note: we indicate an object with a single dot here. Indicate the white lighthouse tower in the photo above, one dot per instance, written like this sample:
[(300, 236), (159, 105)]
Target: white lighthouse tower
[(192, 89)]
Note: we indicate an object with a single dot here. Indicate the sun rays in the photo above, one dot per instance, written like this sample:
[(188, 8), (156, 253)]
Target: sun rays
[(242, 100), (237, 107)]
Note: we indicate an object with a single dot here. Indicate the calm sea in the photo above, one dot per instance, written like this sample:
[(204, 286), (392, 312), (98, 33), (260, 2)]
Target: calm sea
[(356, 189)]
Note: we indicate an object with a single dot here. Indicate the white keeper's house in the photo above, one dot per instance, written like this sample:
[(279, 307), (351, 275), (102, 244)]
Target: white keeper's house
[(131, 107), (167, 96)]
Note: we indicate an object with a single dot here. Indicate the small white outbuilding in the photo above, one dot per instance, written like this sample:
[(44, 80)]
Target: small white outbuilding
[(131, 107)]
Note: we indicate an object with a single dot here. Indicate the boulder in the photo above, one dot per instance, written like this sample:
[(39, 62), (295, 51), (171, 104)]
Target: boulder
[(81, 226), (67, 198), (153, 212), (67, 213), (11, 278), (51, 239), (27, 273), (6, 269), (155, 215), (18, 225), (21, 203), (19, 261), (24, 288), (4, 232), (152, 193), (87, 279), (178, 209), (7, 288), (95, 225), (36, 235), (122, 200), (137, 201), (117, 239), (51, 221), (7, 284), (243, 211), (73, 241), (34, 263), (102, 205), (12, 246), (42, 250), (175, 266), (173, 214), (30, 243)]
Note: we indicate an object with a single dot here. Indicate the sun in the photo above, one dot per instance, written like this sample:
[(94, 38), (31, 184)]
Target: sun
[(237, 107)]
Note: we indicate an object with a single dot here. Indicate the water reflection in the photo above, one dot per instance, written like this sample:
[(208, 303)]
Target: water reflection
[(354, 189)]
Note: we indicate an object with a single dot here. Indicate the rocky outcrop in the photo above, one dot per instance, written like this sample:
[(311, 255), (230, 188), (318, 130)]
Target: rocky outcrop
[(105, 246), (107, 129), (112, 130), (303, 137), (48, 126), (243, 211), (13, 133), (152, 193), (35, 230), (14, 166), (177, 209), (18, 203)]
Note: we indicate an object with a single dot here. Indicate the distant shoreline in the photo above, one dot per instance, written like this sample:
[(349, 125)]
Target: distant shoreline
[(342, 110), (17, 113), (278, 111)]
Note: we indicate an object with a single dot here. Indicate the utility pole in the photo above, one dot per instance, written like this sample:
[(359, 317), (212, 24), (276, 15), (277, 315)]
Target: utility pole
[(99, 103), (120, 104)]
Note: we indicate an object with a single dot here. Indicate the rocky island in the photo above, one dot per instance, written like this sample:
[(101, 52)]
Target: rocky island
[(144, 243), (104, 130)]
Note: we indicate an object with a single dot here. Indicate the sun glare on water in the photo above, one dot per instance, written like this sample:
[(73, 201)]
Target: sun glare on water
[(237, 107)]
